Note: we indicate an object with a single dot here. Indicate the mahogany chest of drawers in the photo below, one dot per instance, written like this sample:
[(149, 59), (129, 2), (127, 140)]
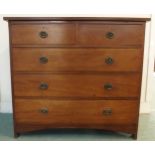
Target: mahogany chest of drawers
[(76, 72)]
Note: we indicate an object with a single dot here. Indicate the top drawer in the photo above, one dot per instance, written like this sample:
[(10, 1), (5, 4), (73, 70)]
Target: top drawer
[(79, 33), (112, 34), (43, 33)]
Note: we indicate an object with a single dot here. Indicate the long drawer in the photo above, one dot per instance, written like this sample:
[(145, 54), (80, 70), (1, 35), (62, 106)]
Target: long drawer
[(76, 59), (76, 112), (77, 85)]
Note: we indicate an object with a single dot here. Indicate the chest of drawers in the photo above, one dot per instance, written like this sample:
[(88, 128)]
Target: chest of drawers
[(76, 72)]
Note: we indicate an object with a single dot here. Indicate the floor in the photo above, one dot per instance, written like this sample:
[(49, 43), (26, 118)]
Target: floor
[(146, 132)]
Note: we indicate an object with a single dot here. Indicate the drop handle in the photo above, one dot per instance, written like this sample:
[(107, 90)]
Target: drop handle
[(107, 112), (43, 34), (43, 86), (109, 61), (43, 60), (108, 86), (43, 110)]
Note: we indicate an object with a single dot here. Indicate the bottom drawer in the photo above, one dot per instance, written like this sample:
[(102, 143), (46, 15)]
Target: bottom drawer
[(73, 113)]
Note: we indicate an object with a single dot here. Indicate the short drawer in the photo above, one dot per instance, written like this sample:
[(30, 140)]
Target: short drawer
[(77, 85), (79, 59), (75, 113), (43, 34), (115, 34)]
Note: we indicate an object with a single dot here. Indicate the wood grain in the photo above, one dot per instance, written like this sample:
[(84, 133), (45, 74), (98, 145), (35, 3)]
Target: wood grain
[(57, 34), (95, 34), (125, 19), (75, 74), (72, 85), (72, 113), (80, 59)]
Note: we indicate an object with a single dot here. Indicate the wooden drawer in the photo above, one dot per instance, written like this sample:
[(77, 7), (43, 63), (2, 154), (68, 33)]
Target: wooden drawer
[(77, 85), (80, 59), (74, 113), (43, 34), (115, 34)]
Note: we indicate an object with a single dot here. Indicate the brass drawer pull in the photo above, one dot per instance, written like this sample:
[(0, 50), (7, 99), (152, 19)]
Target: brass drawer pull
[(43, 60), (108, 86), (43, 110), (109, 35), (43, 34), (43, 86), (107, 112), (109, 61)]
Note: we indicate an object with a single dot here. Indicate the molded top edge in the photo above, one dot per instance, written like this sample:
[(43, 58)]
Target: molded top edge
[(128, 19)]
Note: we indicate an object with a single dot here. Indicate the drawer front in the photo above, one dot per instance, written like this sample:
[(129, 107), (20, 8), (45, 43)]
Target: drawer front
[(111, 34), (76, 112), (62, 33), (66, 85), (56, 59)]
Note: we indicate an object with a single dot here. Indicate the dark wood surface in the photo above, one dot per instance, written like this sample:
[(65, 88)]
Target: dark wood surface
[(76, 60), (76, 19), (57, 34), (95, 34), (76, 72), (78, 33), (73, 85), (75, 113)]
